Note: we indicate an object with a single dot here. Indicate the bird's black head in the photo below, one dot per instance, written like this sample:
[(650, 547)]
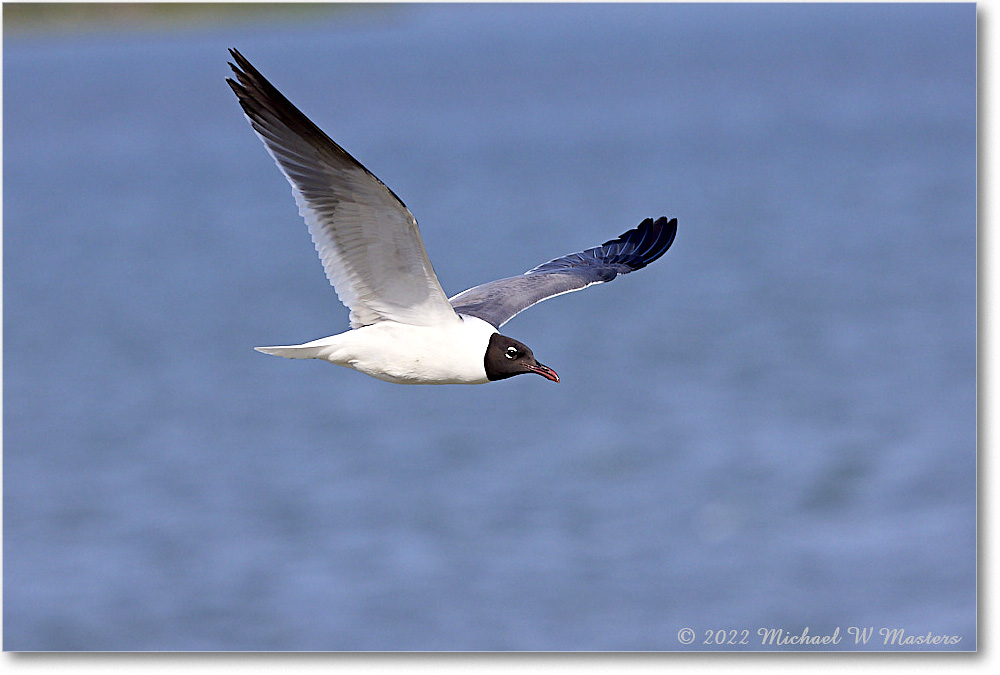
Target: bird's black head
[(506, 357)]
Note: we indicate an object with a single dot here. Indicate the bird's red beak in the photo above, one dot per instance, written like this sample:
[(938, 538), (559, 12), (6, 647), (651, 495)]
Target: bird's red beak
[(544, 371)]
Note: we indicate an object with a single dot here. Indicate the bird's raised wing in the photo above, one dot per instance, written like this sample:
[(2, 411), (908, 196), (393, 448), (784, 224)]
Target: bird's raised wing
[(366, 238), (497, 302)]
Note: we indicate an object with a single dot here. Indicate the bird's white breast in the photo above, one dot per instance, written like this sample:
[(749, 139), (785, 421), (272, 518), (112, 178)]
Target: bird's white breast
[(405, 354)]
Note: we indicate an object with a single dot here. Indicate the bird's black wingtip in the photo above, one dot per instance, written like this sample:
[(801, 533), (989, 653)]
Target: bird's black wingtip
[(644, 244), (669, 227), (243, 69), (239, 65), (252, 89)]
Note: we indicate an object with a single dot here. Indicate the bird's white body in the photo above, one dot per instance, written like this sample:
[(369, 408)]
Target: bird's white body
[(405, 354)]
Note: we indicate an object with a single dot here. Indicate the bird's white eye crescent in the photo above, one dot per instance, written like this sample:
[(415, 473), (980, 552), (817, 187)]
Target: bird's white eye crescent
[(511, 352)]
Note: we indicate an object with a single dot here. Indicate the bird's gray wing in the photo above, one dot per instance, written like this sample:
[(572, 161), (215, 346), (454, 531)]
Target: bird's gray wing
[(498, 301), (366, 238)]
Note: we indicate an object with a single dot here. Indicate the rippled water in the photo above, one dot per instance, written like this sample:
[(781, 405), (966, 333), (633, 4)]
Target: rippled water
[(772, 427)]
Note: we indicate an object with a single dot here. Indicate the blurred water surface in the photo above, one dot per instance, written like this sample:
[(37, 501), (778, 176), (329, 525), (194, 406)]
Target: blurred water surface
[(773, 426)]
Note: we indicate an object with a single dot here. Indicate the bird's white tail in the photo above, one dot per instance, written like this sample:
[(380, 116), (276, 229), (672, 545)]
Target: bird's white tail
[(294, 351)]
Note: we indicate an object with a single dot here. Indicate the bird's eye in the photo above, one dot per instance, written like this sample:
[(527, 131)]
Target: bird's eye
[(511, 352)]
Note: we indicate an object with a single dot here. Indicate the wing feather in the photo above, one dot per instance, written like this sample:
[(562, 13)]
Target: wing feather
[(497, 302)]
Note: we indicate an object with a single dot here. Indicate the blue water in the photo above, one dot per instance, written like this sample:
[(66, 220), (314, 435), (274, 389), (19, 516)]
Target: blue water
[(774, 426)]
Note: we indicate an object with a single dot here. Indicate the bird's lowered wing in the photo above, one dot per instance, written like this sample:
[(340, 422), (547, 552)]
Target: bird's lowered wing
[(497, 302)]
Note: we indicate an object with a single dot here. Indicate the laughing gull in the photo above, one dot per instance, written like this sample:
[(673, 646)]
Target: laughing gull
[(404, 329)]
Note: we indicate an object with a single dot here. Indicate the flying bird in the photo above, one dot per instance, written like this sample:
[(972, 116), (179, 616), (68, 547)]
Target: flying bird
[(404, 329)]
